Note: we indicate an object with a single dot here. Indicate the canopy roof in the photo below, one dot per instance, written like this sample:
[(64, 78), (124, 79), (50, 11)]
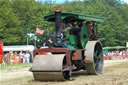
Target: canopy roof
[(51, 17), (19, 48), (116, 47)]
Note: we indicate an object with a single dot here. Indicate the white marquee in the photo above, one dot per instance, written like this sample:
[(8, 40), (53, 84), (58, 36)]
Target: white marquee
[(19, 48)]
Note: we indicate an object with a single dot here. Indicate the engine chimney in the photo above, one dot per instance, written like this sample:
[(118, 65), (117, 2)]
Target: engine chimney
[(58, 21)]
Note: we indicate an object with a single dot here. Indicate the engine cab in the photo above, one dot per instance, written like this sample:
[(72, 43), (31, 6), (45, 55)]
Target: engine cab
[(72, 30)]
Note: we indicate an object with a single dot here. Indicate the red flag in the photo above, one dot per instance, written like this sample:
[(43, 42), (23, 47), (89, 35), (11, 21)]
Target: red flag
[(39, 31)]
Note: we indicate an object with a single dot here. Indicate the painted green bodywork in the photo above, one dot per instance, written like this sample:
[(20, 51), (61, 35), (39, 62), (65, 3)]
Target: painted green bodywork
[(72, 39), (84, 32)]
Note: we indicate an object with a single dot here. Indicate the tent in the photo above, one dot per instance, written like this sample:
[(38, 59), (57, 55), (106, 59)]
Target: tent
[(116, 47), (106, 49), (19, 48)]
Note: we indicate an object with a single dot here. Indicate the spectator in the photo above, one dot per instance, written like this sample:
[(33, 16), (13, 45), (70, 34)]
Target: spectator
[(30, 59), (127, 53), (120, 53), (27, 57), (124, 54), (21, 54)]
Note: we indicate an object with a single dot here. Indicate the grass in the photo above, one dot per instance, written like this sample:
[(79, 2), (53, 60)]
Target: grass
[(15, 66)]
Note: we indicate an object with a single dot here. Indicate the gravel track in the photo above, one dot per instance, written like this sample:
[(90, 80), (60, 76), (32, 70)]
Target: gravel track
[(115, 73)]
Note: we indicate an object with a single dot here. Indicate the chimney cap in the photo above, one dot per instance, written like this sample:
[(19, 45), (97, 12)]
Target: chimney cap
[(57, 9)]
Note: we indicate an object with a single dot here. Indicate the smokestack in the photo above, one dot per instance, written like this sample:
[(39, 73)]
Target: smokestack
[(58, 21)]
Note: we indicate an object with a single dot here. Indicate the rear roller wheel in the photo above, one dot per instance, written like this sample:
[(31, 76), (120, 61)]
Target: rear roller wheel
[(94, 54)]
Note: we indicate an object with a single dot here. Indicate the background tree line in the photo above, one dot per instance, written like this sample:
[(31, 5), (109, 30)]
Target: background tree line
[(19, 17)]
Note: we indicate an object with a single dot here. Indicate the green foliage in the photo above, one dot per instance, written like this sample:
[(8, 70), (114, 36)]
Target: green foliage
[(31, 15), (19, 17), (9, 24)]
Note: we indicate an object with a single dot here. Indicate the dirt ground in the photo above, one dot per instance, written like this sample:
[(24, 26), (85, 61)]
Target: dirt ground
[(114, 73)]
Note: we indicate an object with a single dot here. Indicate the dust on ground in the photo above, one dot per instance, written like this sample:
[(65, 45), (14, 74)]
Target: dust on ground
[(114, 73)]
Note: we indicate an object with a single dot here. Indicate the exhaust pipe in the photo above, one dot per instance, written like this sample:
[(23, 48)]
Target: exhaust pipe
[(58, 21), (55, 40)]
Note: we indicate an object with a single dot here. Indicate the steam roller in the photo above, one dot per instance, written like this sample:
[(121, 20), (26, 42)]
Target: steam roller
[(73, 47)]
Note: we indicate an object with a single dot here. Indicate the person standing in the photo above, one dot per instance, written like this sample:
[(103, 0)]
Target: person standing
[(27, 57), (21, 54), (30, 59)]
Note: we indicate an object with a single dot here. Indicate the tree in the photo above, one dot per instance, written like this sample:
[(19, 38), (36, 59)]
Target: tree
[(31, 15), (9, 23)]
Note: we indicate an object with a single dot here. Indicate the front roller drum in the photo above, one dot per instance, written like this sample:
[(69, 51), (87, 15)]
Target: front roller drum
[(48, 76), (94, 54), (50, 67)]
